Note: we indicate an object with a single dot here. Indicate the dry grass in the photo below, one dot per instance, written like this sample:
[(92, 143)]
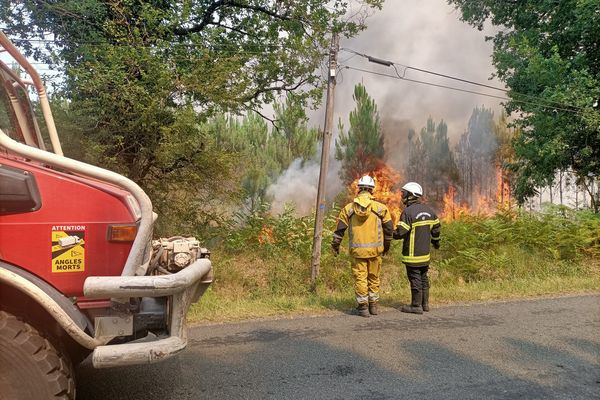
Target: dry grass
[(480, 260), (221, 305)]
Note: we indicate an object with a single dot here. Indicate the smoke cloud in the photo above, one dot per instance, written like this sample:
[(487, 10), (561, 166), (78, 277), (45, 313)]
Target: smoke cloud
[(425, 34), (298, 185)]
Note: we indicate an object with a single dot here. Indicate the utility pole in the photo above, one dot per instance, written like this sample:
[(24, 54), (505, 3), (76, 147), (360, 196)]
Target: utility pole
[(320, 211)]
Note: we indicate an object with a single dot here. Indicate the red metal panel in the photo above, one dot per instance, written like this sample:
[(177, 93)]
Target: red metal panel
[(87, 205)]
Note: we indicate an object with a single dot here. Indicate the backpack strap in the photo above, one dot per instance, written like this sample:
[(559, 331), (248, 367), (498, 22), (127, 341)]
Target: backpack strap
[(350, 213), (379, 212)]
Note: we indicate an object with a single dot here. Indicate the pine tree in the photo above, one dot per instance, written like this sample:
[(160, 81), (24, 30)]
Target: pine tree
[(361, 148), (431, 161), (293, 137), (476, 152)]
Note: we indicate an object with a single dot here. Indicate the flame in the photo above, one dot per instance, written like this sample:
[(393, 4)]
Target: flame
[(452, 210), (503, 196), (266, 235), (484, 205), (481, 204), (387, 180)]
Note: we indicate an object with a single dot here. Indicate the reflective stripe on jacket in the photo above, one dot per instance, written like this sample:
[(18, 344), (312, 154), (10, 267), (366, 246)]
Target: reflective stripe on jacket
[(418, 227), (369, 225)]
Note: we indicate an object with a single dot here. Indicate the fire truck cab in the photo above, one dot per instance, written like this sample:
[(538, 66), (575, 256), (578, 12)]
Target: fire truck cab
[(79, 271)]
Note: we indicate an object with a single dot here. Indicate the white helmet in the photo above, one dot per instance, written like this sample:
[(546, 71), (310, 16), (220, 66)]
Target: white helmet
[(366, 182), (413, 188)]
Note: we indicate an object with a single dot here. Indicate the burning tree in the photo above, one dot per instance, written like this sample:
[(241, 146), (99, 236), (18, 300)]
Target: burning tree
[(483, 156), (361, 152), (387, 182), (505, 158), (475, 154)]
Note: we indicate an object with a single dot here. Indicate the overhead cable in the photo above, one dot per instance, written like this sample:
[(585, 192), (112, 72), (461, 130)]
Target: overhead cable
[(460, 89), (535, 99)]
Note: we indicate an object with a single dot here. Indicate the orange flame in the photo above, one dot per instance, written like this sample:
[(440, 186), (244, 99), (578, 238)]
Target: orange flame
[(503, 196), (386, 182), (452, 210), (266, 235), (481, 204)]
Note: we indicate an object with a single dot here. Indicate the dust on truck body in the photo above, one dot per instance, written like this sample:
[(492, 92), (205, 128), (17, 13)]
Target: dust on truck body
[(79, 271)]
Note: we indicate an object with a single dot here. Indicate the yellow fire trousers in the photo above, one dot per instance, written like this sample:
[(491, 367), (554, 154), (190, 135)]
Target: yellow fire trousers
[(366, 279)]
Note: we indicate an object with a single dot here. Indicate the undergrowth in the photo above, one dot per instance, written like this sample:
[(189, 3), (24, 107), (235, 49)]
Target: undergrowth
[(262, 266)]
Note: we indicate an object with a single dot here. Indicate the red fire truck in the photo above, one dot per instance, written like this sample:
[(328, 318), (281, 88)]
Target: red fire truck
[(79, 271)]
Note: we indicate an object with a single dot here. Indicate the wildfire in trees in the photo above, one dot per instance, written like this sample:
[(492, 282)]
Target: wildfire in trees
[(480, 204), (452, 210), (387, 181), (503, 196)]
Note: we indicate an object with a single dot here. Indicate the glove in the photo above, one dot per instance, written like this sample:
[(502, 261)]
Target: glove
[(436, 244), (386, 247), (336, 248)]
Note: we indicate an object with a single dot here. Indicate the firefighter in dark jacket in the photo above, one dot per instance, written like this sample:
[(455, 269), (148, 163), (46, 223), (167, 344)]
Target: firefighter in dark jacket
[(418, 227), (370, 232)]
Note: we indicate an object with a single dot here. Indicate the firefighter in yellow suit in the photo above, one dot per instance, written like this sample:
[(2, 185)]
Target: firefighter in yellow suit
[(370, 231)]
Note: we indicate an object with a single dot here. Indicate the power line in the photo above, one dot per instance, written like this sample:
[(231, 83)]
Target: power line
[(459, 89), (376, 60), (393, 64)]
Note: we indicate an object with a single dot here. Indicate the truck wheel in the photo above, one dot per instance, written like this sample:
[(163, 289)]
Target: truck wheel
[(30, 366)]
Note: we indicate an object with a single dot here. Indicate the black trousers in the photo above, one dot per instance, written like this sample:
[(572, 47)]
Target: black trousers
[(417, 276)]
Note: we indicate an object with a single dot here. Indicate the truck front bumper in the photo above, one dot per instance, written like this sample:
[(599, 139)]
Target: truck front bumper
[(184, 288)]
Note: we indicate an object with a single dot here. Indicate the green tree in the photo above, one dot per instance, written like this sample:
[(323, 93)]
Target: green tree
[(143, 77), (361, 148), (261, 153), (250, 144), (293, 137), (547, 53)]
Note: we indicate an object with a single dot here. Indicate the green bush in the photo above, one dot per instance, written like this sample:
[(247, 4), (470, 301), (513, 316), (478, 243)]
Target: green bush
[(518, 245), (268, 256)]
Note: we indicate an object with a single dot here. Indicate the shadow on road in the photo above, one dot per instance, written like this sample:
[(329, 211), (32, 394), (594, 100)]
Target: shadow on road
[(309, 364)]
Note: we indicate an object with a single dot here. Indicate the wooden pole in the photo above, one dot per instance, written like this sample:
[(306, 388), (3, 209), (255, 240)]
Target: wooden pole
[(320, 211)]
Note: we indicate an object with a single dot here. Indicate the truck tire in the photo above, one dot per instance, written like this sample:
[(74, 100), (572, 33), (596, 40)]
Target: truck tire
[(31, 368)]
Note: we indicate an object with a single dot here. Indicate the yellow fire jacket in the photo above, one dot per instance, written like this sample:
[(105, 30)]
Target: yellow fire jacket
[(369, 225)]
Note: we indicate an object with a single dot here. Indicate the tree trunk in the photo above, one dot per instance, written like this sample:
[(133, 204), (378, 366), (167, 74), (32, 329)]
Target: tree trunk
[(560, 186), (471, 180), (590, 190)]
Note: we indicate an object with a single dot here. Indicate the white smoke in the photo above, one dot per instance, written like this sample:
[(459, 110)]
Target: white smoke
[(426, 34), (297, 186)]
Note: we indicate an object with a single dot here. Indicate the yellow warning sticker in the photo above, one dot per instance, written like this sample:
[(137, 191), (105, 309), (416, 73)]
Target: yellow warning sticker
[(68, 248)]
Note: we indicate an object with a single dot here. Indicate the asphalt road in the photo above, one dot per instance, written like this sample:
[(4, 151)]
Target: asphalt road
[(532, 349)]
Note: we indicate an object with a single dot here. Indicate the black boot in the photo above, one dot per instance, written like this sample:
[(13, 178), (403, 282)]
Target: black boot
[(415, 304), (373, 308), (426, 300), (363, 310)]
